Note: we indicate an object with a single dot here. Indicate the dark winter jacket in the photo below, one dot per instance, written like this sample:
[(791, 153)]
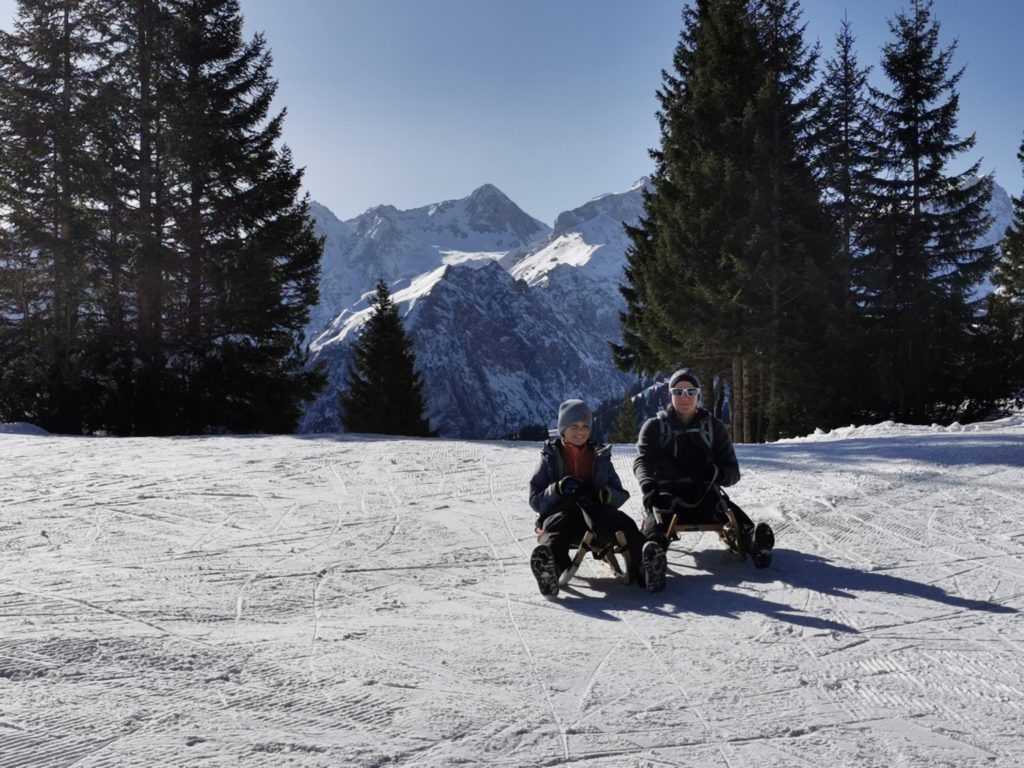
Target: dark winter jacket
[(671, 454), (544, 495)]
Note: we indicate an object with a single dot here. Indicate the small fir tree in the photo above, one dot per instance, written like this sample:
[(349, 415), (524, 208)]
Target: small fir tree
[(383, 389), (625, 429)]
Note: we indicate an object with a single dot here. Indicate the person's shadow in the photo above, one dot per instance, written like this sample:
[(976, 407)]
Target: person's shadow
[(702, 588), (802, 570)]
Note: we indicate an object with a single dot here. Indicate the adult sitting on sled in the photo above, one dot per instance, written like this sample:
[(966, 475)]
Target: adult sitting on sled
[(576, 489), (684, 455)]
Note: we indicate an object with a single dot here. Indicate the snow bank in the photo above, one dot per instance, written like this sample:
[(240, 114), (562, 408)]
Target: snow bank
[(895, 429)]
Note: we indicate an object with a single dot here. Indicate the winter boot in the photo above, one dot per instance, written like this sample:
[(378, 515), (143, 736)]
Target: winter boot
[(654, 565), (542, 562), (762, 540)]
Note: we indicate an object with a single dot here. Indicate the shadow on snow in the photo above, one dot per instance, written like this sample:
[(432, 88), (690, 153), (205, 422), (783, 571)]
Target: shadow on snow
[(711, 590)]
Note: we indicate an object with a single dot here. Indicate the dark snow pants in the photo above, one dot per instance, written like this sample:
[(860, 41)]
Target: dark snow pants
[(564, 530), (705, 511)]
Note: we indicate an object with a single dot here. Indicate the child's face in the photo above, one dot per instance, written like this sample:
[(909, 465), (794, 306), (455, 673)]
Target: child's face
[(576, 434)]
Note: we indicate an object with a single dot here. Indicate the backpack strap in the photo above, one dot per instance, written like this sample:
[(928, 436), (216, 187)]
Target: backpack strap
[(706, 427)]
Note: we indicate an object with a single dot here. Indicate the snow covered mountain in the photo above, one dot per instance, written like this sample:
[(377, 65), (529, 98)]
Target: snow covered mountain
[(508, 316), (399, 246)]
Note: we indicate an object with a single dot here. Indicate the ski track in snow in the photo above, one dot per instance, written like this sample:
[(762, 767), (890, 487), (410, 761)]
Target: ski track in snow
[(354, 601)]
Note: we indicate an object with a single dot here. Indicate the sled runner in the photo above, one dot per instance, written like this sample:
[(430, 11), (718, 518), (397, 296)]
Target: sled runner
[(609, 552), (760, 538), (727, 529)]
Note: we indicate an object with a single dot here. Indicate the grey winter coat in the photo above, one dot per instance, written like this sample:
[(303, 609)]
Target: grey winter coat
[(544, 495)]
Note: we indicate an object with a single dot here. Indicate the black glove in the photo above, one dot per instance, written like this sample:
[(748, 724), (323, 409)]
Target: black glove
[(659, 500), (570, 487)]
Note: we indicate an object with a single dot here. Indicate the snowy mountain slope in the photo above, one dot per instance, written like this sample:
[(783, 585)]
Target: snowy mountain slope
[(398, 246), (589, 236), (494, 354), (476, 346), (354, 601)]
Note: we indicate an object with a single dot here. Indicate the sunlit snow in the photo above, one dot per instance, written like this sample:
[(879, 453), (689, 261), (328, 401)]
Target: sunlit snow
[(361, 601)]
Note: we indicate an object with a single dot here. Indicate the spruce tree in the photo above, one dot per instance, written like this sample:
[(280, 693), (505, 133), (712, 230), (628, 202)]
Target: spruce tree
[(998, 365), (626, 428), (159, 261), (48, 96), (844, 137), (241, 250), (791, 284), (682, 260), (732, 267), (918, 260), (383, 389)]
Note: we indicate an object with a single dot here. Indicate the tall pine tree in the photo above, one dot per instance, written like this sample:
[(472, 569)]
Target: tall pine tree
[(844, 137), (243, 257), (383, 389), (159, 262), (998, 349), (918, 260), (681, 270), (732, 267), (48, 95)]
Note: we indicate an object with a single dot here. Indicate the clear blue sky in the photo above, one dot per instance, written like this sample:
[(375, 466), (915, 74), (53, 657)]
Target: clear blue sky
[(411, 102)]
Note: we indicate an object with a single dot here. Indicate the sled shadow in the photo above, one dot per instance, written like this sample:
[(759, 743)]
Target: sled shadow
[(612, 595), (800, 570)]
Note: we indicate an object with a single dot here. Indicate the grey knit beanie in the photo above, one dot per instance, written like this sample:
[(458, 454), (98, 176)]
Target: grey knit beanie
[(684, 373), (572, 411)]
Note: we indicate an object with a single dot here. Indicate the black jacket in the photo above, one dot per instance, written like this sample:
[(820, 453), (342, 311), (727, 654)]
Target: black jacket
[(670, 453)]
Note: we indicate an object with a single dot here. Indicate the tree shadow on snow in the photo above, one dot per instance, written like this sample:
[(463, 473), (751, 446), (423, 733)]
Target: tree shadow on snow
[(702, 593)]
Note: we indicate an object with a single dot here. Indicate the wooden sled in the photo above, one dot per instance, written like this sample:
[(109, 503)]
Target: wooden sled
[(609, 553), (728, 530)]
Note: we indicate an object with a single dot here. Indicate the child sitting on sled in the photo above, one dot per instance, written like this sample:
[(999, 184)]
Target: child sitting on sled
[(575, 490)]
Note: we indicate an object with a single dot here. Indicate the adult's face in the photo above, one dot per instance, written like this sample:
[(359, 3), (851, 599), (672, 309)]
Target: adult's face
[(684, 398)]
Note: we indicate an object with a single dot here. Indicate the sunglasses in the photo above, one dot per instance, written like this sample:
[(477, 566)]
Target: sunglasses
[(685, 391)]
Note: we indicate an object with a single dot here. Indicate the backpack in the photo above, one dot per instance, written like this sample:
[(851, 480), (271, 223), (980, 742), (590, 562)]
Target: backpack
[(668, 431)]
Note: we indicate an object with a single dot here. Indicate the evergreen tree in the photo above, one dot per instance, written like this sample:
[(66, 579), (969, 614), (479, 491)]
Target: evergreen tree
[(998, 359), (159, 262), (626, 428), (681, 270), (918, 259), (383, 389), (844, 137), (244, 255), (732, 266), (47, 99), (792, 287)]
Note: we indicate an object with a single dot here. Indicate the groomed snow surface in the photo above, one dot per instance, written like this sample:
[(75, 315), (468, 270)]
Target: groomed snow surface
[(358, 601)]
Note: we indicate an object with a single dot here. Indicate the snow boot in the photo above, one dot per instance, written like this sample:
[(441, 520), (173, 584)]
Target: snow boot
[(654, 566), (542, 562), (762, 540)]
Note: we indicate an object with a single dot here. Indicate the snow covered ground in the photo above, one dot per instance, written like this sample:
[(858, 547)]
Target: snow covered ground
[(352, 601)]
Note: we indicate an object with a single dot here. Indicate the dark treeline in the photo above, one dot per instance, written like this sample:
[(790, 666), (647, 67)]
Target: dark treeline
[(803, 237), (157, 263)]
